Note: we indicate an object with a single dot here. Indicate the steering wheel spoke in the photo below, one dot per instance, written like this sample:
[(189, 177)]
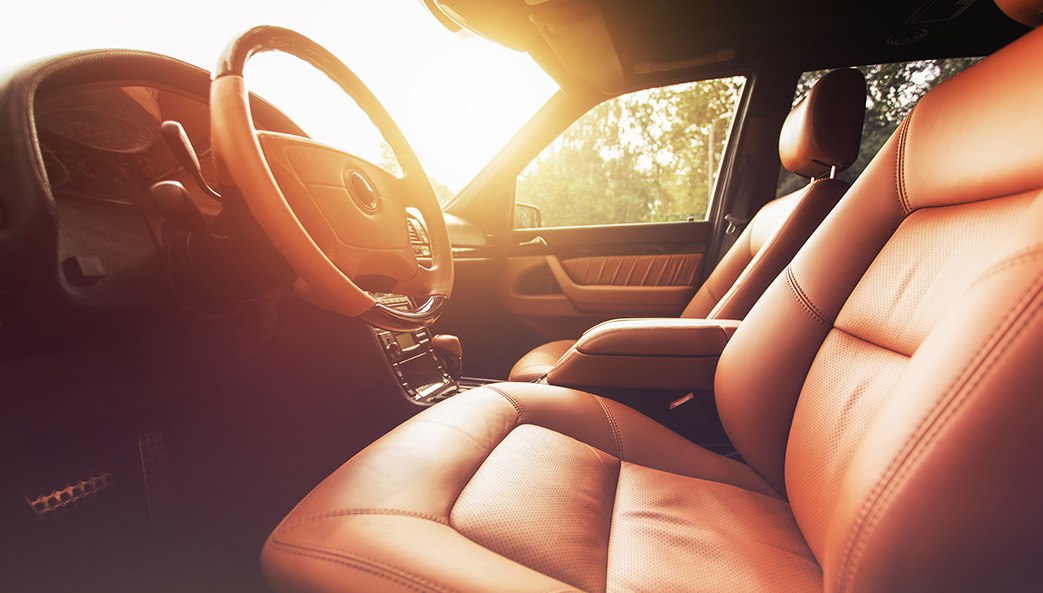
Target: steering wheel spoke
[(361, 229), (339, 220)]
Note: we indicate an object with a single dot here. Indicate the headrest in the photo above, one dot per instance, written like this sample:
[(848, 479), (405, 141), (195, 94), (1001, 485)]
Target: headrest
[(824, 130), (1026, 12)]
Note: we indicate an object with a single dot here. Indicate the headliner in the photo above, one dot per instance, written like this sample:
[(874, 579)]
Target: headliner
[(683, 38)]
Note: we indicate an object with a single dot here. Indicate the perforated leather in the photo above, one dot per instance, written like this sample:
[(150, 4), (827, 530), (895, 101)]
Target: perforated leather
[(896, 315), (723, 540), (515, 502), (537, 488)]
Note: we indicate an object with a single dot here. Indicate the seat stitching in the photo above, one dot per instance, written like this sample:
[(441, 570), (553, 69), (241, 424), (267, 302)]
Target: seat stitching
[(612, 423), (803, 298), (903, 197), (934, 422), (611, 520), (769, 245), (706, 286), (359, 511), (522, 417), (870, 342), (375, 569), (1014, 259)]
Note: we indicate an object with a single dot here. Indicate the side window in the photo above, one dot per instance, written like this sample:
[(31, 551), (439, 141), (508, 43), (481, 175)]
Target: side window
[(891, 92), (648, 156)]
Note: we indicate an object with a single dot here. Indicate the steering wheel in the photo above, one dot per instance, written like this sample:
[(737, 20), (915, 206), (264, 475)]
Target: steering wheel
[(339, 220)]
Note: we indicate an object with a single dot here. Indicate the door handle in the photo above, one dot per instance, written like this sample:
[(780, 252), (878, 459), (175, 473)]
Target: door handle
[(537, 240)]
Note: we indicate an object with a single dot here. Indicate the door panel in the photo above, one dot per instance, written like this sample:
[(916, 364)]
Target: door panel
[(624, 300), (632, 270), (561, 281)]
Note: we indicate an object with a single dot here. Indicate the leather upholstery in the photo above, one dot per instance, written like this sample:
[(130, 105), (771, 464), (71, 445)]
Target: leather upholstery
[(763, 249), (658, 337), (817, 133), (539, 360), (676, 269), (902, 307), (463, 478), (772, 237), (665, 354), (884, 393)]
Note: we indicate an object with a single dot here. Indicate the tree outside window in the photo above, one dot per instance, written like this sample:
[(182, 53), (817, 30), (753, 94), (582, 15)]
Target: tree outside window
[(648, 156)]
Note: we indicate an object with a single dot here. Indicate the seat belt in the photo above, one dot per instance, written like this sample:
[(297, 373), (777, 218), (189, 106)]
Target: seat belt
[(736, 220)]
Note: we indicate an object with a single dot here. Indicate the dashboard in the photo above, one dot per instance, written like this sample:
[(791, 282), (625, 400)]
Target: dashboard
[(93, 271), (103, 141)]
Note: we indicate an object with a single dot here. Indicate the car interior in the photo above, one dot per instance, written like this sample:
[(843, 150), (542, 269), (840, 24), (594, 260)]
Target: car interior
[(234, 358)]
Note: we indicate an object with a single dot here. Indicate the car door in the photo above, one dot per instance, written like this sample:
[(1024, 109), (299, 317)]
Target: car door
[(592, 213)]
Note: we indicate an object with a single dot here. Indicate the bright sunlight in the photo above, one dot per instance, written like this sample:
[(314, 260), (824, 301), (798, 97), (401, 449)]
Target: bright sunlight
[(457, 100)]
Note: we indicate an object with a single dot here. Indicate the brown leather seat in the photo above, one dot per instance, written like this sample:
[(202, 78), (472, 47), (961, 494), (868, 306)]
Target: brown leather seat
[(823, 131), (884, 392)]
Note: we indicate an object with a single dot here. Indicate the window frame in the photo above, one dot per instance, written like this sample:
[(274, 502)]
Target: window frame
[(724, 165)]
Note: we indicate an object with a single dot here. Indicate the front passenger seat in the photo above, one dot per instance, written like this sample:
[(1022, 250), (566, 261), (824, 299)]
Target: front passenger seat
[(821, 136), (884, 393)]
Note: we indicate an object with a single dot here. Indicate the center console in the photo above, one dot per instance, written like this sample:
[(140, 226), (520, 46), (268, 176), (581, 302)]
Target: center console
[(416, 365), (645, 354)]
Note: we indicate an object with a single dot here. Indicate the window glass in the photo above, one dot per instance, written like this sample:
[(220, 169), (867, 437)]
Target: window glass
[(648, 156), (457, 98), (891, 92)]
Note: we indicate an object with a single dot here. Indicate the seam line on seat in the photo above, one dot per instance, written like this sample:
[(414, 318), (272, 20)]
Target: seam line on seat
[(360, 511), (612, 423), (375, 567), (802, 297), (709, 290), (936, 420), (368, 565), (903, 197), (517, 406), (1014, 259), (766, 249), (870, 342), (611, 520)]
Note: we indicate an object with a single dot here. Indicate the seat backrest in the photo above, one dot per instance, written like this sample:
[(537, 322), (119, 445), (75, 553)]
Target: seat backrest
[(890, 382), (822, 132)]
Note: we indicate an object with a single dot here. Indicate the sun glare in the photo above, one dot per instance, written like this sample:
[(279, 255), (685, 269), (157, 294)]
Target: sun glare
[(456, 100)]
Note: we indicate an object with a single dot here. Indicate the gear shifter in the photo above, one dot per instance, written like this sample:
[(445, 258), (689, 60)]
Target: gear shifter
[(448, 349)]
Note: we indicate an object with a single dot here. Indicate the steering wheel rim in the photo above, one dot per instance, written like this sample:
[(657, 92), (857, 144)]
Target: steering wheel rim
[(321, 280)]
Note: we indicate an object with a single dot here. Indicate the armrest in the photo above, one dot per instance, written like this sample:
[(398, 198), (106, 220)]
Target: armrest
[(661, 354)]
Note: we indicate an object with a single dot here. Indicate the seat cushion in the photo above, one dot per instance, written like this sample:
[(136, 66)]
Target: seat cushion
[(539, 360), (537, 488)]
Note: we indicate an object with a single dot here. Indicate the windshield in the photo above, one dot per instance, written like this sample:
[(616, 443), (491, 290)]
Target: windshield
[(457, 100)]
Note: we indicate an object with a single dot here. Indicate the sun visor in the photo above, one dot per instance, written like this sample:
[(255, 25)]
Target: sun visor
[(569, 38), (577, 33), (492, 19)]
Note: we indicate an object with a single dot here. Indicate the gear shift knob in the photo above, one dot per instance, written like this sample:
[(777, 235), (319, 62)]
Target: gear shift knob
[(448, 349)]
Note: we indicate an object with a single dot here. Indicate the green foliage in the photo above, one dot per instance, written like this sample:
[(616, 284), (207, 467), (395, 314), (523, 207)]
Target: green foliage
[(648, 156), (891, 92)]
